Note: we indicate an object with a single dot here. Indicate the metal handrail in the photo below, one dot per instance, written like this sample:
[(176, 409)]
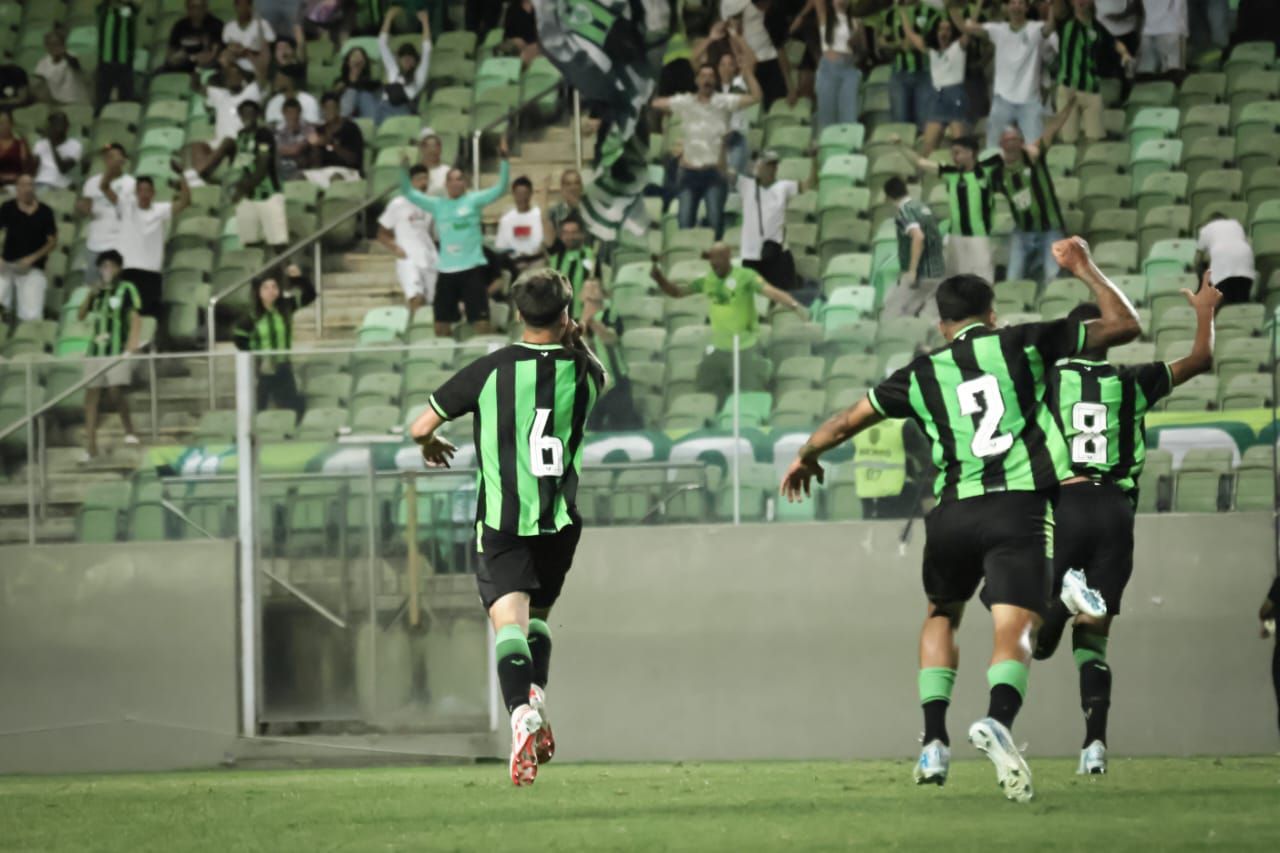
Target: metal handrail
[(509, 116)]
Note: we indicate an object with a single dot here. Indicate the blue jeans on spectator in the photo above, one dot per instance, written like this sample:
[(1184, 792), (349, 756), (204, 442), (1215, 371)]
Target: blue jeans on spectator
[(1032, 251), (1029, 118), (360, 103), (693, 187), (910, 93), (837, 89), (737, 153)]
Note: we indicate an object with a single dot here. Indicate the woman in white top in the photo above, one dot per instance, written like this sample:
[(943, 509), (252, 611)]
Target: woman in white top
[(844, 47), (949, 106), (405, 73)]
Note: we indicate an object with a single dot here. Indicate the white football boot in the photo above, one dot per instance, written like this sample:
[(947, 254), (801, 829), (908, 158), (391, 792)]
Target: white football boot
[(545, 741), (1079, 597), (525, 724), (991, 737), (934, 764), (1093, 760)]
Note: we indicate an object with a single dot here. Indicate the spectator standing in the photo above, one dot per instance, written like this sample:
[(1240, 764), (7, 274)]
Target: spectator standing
[(405, 229), (1164, 34), (1267, 615), (15, 87), (287, 85), (764, 223), (616, 408), (15, 154), (570, 200), (520, 232), (1015, 97), (268, 328), (919, 256), (772, 68), (844, 48), (736, 150), (56, 155), (520, 31), (258, 194), (1256, 20), (360, 93), (1021, 172), (462, 277), (570, 256), (115, 311), (248, 39), (144, 225), (405, 72), (910, 87), (30, 234), (225, 101), (1082, 42), (293, 150), (59, 73), (117, 49), (195, 42), (1224, 246), (431, 155), (103, 233), (731, 292), (705, 115), (337, 145), (971, 197), (949, 105)]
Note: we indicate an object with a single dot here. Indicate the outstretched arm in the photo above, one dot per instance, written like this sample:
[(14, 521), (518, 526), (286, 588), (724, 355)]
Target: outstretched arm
[(968, 26), (784, 299), (1119, 323), (1200, 360), (422, 200), (909, 30), (667, 286), (496, 191), (838, 429)]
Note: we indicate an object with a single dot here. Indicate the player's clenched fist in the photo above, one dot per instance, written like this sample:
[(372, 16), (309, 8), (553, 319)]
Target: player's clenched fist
[(1072, 254)]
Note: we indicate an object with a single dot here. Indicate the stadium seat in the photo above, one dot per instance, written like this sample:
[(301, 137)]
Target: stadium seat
[(1118, 255), (1247, 391), (690, 411), (798, 409), (1198, 491), (1169, 257), (799, 373), (1155, 486), (753, 409), (320, 424), (216, 427), (274, 424)]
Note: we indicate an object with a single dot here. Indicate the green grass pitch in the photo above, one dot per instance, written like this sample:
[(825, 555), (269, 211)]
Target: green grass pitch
[(1145, 804)]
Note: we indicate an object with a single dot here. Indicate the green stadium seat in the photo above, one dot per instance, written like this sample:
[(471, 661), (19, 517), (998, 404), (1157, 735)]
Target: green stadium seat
[(783, 114), (274, 424), (389, 318), (794, 340), (1165, 291), (1153, 123), (690, 411), (376, 389), (1198, 491), (1202, 87), (1240, 321), (753, 409), (1261, 118), (1169, 257), (1165, 222), (1112, 224), (1159, 93), (327, 390), (1161, 189), (799, 409), (788, 140), (1241, 356), (1247, 391), (1118, 255), (1103, 192), (1217, 460), (858, 369), (375, 419), (840, 139), (1205, 121), (799, 373), (1255, 488), (320, 424), (1152, 157), (1155, 486), (1103, 160), (843, 170)]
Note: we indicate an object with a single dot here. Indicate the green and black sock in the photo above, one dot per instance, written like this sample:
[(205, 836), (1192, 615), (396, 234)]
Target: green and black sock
[(1090, 650), (540, 650), (515, 666), (935, 696), (1008, 681)]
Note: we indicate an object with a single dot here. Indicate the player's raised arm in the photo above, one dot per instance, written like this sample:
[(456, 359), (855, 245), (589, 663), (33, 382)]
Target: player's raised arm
[(1205, 301), (838, 429), (1119, 323)]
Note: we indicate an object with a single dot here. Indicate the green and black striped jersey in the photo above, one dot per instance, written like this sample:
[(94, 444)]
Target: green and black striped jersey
[(530, 403), (981, 401), (924, 19), (1078, 54), (1028, 186), (1100, 409), (117, 33), (970, 196)]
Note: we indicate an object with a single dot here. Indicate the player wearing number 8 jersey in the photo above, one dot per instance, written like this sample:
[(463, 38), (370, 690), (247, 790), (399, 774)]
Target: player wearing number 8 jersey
[(530, 403), (1100, 410), (980, 400)]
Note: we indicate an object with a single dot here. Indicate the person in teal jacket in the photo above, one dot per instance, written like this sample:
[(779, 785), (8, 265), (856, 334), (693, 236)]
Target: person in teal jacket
[(462, 278)]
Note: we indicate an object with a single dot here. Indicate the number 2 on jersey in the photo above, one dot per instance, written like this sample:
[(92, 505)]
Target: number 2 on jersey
[(982, 395), (546, 452), (1089, 445)]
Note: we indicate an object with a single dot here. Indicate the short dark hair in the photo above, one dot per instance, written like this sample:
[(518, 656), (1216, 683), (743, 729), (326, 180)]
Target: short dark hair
[(970, 142), (541, 296), (895, 188), (249, 102), (407, 50), (330, 96), (118, 148), (145, 179), (1085, 311), (573, 219), (418, 169), (110, 255), (522, 181), (291, 104), (963, 296)]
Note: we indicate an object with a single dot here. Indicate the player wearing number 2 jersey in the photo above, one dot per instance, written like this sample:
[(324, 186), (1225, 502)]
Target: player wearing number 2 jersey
[(530, 403), (980, 400), (1100, 409)]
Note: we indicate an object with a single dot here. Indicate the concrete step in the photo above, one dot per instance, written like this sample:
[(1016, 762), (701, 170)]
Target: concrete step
[(13, 531)]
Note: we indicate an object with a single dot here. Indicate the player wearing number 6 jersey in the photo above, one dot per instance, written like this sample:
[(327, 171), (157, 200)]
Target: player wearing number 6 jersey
[(530, 403), (980, 400), (1100, 410)]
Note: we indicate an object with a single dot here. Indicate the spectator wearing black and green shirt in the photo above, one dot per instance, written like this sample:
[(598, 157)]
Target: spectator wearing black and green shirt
[(616, 408), (1082, 45), (115, 310), (919, 256), (910, 86), (971, 198), (117, 48), (258, 193), (570, 256), (268, 328)]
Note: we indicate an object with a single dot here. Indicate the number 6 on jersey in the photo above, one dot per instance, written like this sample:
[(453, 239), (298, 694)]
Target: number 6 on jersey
[(546, 452)]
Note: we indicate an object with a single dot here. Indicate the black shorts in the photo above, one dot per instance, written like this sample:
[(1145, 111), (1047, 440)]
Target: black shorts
[(468, 287), (1005, 539), (1095, 535), (149, 285), (533, 564)]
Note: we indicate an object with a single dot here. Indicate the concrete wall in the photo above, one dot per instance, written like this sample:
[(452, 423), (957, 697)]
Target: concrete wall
[(797, 641)]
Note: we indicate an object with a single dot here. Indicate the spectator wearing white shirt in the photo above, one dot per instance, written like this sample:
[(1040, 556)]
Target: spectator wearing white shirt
[(949, 107), (764, 219), (248, 38), (144, 226), (772, 69), (56, 155), (737, 152), (1164, 33), (430, 152), (225, 101), (103, 232), (405, 229), (287, 87), (405, 72), (705, 116), (60, 73), (1223, 244), (520, 229), (1015, 97)]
